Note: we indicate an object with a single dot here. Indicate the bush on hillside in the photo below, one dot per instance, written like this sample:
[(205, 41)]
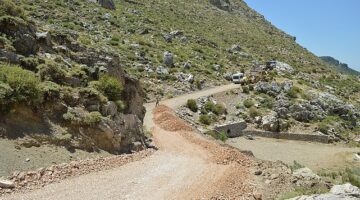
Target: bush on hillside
[(294, 92), (205, 119), (192, 105), (110, 86), (209, 106), (254, 112), (18, 85), (248, 103), (8, 7), (218, 136), (52, 71), (219, 109)]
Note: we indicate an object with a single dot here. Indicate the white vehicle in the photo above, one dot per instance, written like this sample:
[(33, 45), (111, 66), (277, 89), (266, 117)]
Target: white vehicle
[(236, 78)]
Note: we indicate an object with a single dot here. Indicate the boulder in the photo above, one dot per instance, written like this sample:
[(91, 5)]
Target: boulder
[(337, 192), (22, 34), (162, 70), (216, 67), (109, 109), (270, 122), (182, 77), (108, 4), (187, 65), (300, 113), (272, 89), (168, 59), (283, 68), (6, 184), (44, 38), (305, 173), (287, 86), (222, 4), (346, 189)]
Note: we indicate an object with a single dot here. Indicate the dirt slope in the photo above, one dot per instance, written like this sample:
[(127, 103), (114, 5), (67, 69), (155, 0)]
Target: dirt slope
[(187, 166)]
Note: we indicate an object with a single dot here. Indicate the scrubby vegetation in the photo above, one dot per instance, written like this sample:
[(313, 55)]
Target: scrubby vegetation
[(218, 135), (111, 87), (347, 175), (248, 103), (18, 86), (192, 105), (205, 119)]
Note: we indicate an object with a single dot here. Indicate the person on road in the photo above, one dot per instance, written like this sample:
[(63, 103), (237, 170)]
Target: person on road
[(157, 101)]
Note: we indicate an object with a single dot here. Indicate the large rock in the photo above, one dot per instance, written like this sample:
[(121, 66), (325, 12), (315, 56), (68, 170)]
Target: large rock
[(337, 192), (346, 189), (272, 89), (162, 70), (23, 35), (222, 4), (271, 122), (6, 184), (109, 109), (108, 4), (185, 78), (283, 68), (303, 112), (168, 59)]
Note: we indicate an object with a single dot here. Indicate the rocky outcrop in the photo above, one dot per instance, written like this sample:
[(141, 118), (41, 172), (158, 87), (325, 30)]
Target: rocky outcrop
[(23, 34), (337, 192), (87, 119), (222, 4), (108, 4), (168, 59)]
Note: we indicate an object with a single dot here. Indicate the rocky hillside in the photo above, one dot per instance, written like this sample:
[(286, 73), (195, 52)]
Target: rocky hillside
[(341, 67), (189, 45), (55, 90), (69, 69)]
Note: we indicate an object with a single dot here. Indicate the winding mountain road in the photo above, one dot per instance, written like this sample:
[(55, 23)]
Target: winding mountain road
[(186, 166)]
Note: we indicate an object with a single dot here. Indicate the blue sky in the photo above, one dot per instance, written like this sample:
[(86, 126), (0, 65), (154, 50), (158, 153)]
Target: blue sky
[(325, 27)]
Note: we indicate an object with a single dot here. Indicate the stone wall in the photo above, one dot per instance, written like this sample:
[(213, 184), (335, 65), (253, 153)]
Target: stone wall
[(232, 130), (287, 136)]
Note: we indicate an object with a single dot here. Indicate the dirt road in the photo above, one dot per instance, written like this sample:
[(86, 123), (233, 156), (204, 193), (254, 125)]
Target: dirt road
[(187, 166), (316, 156)]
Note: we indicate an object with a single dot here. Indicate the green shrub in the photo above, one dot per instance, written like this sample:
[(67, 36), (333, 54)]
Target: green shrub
[(209, 106), (267, 101), (120, 105), (8, 7), (92, 118), (248, 103), (29, 63), (51, 71), (50, 90), (219, 109), (79, 116), (219, 136), (205, 119), (110, 87), (192, 105), (294, 92), (295, 166), (254, 112), (19, 85), (246, 89), (92, 92)]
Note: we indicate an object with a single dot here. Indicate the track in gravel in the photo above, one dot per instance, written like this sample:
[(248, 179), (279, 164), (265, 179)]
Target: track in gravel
[(185, 167)]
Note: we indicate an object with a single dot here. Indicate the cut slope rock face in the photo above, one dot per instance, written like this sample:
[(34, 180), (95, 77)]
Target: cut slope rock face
[(84, 98)]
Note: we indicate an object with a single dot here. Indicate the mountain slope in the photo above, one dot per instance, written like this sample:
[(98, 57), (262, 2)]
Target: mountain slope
[(340, 67)]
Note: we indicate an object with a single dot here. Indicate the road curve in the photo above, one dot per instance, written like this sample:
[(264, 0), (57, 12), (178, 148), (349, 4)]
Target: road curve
[(179, 170)]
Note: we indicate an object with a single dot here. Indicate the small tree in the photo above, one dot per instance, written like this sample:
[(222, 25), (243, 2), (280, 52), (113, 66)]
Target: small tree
[(205, 119), (248, 103), (110, 87), (192, 105)]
